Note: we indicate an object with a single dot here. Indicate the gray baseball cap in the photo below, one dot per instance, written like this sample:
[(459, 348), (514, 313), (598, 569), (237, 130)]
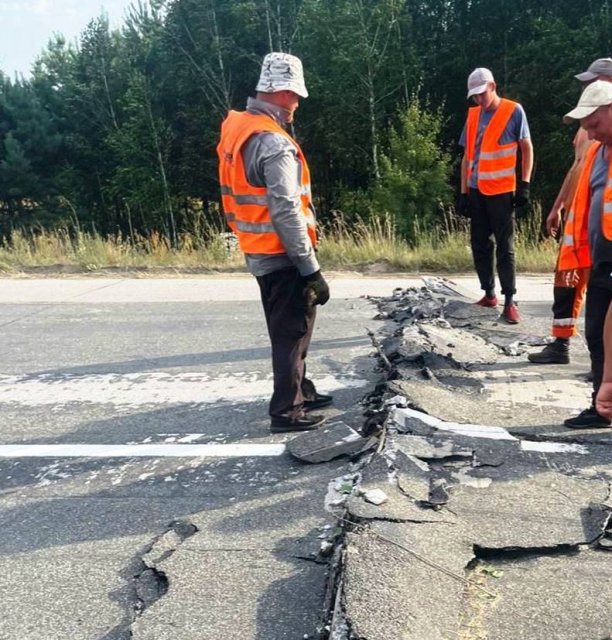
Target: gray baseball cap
[(597, 94), (601, 67), (282, 72), (478, 80)]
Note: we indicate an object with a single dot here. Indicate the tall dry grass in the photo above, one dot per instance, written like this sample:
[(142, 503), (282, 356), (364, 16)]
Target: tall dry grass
[(345, 244)]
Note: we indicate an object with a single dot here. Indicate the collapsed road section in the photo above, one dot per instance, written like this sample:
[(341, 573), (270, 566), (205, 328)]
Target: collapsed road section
[(469, 519)]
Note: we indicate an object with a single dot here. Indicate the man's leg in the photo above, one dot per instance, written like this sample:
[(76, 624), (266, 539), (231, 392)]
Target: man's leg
[(290, 324), (599, 294), (598, 301), (482, 244), (568, 297), (501, 215)]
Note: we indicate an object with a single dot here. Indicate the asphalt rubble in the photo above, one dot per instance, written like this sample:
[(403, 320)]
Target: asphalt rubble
[(460, 515)]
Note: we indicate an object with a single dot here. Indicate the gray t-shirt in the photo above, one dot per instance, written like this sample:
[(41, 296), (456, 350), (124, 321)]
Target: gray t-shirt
[(601, 249), (517, 129)]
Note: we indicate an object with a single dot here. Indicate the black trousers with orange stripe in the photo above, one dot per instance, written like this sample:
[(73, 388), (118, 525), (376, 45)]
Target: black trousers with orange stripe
[(568, 297), (290, 322)]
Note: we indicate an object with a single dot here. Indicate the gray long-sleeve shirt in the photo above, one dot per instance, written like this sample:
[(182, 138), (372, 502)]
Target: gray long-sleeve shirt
[(271, 161)]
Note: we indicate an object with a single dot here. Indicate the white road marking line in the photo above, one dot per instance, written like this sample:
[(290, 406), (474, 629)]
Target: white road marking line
[(141, 450), (482, 431), (138, 389)]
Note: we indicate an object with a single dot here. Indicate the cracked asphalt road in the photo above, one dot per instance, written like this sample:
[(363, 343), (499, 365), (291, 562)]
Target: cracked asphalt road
[(96, 548), (498, 520), (191, 548)]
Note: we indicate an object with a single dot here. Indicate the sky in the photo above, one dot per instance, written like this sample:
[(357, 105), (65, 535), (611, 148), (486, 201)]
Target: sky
[(27, 26)]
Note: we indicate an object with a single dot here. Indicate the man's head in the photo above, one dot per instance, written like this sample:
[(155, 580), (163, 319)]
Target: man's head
[(482, 88), (594, 111), (281, 81)]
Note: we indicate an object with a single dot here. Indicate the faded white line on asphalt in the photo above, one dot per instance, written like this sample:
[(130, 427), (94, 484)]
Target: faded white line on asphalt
[(138, 389), (141, 450), (553, 447)]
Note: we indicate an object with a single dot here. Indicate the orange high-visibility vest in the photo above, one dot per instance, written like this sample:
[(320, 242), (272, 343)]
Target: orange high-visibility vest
[(575, 252), (246, 206), (497, 162)]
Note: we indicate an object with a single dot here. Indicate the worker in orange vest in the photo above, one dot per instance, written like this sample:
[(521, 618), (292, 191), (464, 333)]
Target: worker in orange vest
[(570, 284), (587, 238), (267, 201), (494, 131)]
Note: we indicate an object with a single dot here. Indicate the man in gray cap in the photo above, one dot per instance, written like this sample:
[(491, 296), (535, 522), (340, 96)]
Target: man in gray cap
[(265, 188), (588, 231), (495, 129), (571, 279)]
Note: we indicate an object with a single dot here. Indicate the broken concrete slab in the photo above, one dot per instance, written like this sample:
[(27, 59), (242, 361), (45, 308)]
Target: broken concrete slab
[(565, 597), (412, 478), (398, 506), (329, 442), (434, 447), (463, 346), (448, 403), (424, 603), (544, 510)]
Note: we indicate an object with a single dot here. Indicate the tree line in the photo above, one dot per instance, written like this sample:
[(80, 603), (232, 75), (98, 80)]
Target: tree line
[(117, 134)]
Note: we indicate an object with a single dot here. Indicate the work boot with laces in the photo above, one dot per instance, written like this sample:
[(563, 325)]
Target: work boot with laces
[(556, 352)]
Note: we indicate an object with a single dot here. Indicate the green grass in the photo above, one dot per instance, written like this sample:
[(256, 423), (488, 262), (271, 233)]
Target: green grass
[(355, 245)]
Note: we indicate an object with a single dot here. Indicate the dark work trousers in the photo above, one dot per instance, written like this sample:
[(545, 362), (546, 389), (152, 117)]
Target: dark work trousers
[(290, 323), (492, 217), (599, 295)]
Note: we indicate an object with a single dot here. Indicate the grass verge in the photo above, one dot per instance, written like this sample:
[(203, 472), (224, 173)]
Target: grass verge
[(355, 245)]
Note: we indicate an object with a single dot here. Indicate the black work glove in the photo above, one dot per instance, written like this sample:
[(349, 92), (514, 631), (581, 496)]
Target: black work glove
[(317, 290), (462, 205), (521, 197)]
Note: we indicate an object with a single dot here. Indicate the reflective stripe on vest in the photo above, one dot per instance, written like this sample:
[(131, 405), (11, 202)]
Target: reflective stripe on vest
[(496, 166), (246, 206)]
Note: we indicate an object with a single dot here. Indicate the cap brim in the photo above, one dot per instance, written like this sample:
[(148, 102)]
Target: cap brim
[(586, 76), (578, 113), (481, 88)]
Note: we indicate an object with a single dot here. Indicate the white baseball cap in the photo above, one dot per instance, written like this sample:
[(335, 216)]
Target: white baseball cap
[(282, 72), (601, 67), (478, 80), (598, 94)]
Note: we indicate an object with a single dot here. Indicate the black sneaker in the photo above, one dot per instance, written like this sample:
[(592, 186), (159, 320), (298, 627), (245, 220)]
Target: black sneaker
[(553, 353), (303, 423), (587, 419), (320, 400)]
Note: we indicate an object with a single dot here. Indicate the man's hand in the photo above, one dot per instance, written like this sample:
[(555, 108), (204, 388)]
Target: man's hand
[(521, 197), (462, 206), (553, 222), (603, 402), (317, 290)]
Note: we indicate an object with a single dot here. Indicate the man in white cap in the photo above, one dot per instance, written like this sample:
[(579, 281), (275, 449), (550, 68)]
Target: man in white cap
[(495, 129), (265, 187), (588, 231), (571, 277)]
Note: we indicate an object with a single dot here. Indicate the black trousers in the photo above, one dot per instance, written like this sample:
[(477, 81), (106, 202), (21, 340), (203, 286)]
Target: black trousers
[(492, 217), (599, 295), (290, 323)]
